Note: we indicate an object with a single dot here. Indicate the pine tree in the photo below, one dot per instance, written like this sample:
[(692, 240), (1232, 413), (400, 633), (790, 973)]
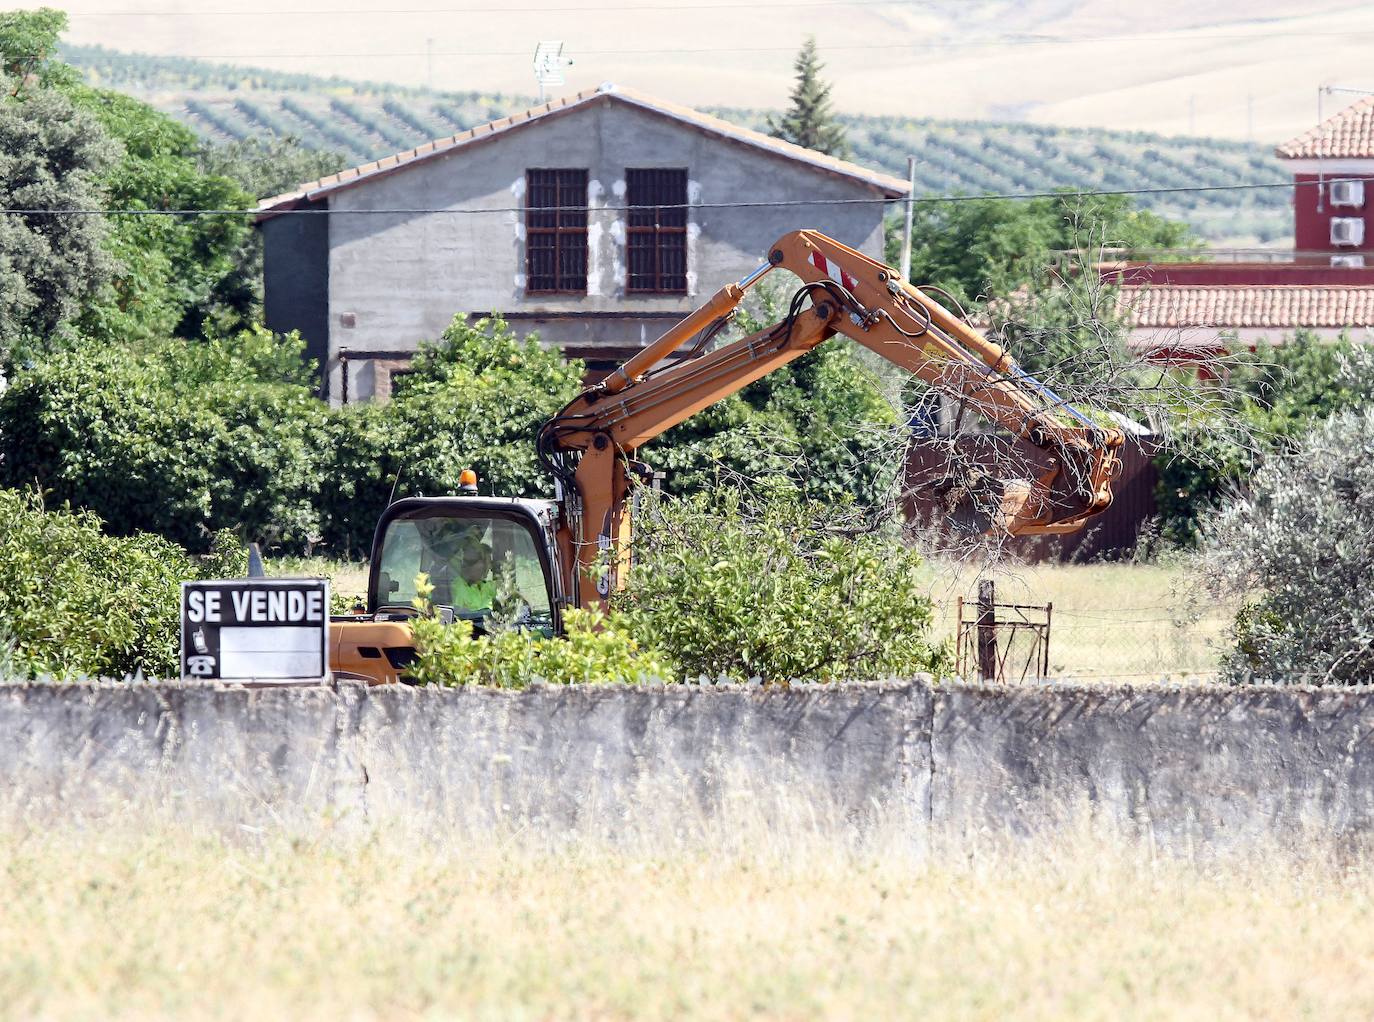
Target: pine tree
[(809, 121)]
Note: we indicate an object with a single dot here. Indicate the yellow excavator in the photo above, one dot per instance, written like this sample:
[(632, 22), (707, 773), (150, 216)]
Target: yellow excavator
[(574, 550)]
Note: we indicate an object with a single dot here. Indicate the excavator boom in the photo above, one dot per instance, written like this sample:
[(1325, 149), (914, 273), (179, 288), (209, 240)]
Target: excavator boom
[(577, 551), (590, 444)]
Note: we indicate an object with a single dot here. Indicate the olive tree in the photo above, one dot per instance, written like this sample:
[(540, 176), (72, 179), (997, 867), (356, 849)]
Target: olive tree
[(1300, 548), (52, 258)]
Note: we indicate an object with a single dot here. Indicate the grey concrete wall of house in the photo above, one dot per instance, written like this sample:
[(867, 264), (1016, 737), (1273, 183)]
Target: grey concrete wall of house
[(400, 279), (295, 274), (1180, 764)]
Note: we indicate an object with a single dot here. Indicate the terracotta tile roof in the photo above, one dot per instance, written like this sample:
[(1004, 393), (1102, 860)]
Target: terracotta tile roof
[(1349, 134), (1246, 306), (892, 187)]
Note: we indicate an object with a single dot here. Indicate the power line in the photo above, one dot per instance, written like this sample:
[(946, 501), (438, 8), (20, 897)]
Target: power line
[(1020, 40), (580, 9), (777, 203)]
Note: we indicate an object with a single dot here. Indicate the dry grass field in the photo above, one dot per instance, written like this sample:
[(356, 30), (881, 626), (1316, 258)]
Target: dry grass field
[(1134, 622), (165, 921)]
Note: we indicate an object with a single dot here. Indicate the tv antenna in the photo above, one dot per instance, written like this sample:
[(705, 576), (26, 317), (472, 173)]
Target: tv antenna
[(549, 63)]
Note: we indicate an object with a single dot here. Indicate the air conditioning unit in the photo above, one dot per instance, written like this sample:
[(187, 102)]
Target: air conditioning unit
[(1348, 262), (1347, 230), (1347, 193)]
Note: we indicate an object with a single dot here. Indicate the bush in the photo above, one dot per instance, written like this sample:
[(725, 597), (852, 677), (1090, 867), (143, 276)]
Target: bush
[(820, 423), (594, 650), (785, 589), (1302, 546), (74, 601), (473, 400), (176, 439), (182, 439), (1272, 397)]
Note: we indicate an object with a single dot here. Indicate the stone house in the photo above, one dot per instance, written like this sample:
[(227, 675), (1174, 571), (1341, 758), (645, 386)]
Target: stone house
[(597, 220)]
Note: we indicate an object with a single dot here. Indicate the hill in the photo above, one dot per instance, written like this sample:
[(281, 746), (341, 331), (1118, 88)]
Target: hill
[(363, 120), (1242, 69)]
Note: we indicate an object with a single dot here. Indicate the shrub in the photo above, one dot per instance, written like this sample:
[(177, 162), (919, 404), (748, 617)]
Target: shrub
[(594, 650), (821, 424), (180, 439), (1302, 547), (473, 400), (782, 588), (74, 601), (1273, 396)]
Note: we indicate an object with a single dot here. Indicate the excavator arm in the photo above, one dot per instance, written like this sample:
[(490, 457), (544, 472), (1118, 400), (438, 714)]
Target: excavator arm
[(590, 444)]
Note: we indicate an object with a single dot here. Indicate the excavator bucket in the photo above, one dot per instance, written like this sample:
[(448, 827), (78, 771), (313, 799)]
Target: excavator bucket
[(1020, 489)]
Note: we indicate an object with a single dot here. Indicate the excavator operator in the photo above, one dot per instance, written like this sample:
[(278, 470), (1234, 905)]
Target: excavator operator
[(459, 565)]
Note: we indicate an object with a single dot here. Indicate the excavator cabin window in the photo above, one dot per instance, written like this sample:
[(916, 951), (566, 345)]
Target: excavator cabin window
[(656, 230), (480, 567)]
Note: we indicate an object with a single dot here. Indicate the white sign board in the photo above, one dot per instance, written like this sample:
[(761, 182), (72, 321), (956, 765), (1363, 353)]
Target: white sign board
[(267, 629)]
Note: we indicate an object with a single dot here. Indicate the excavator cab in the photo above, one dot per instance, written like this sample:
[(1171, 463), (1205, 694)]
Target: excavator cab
[(491, 561)]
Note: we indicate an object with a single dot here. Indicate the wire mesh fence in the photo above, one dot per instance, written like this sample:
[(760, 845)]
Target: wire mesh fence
[(1016, 642)]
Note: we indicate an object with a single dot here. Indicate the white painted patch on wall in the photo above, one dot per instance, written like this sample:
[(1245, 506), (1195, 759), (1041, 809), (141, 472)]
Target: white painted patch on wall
[(618, 189), (595, 193), (595, 243), (618, 266), (693, 233), (517, 223)]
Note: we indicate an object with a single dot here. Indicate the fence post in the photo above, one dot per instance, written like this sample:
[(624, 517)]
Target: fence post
[(987, 632)]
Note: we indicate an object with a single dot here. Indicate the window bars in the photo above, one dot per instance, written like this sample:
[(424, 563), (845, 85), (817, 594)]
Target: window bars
[(556, 231), (656, 230)]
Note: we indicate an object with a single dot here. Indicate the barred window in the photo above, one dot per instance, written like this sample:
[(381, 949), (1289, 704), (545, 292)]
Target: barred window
[(556, 231), (657, 231)]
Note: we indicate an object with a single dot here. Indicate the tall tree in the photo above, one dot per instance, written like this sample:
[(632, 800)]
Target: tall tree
[(52, 158), (809, 121)]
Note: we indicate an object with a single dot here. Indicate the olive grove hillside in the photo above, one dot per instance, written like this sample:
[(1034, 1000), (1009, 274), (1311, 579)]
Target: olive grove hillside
[(363, 120)]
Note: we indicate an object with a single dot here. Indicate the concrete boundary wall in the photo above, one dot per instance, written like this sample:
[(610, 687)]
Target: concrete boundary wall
[(1181, 763)]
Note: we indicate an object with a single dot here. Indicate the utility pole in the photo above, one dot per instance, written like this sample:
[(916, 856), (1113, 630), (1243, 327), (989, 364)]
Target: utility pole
[(906, 230)]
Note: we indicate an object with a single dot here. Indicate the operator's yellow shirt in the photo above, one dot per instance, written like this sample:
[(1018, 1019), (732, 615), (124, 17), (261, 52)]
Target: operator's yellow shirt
[(472, 595), (452, 590)]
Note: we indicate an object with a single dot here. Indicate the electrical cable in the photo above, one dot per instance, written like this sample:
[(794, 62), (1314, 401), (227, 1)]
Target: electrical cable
[(573, 9), (1062, 193)]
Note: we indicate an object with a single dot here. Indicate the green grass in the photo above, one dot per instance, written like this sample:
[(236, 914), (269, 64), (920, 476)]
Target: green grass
[(365, 120)]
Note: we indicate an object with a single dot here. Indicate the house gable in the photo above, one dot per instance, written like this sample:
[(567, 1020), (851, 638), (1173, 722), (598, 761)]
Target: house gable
[(876, 182)]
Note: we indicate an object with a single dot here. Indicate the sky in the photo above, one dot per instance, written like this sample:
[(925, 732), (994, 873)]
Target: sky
[(1226, 68)]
